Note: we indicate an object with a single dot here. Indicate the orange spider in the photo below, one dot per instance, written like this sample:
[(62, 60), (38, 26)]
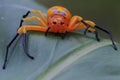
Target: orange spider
[(59, 20)]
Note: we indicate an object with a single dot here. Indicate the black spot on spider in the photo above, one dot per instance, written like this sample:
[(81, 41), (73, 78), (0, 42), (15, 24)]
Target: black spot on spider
[(62, 23), (54, 22), (51, 17)]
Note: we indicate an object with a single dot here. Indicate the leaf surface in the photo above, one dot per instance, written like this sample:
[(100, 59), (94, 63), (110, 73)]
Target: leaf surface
[(73, 58)]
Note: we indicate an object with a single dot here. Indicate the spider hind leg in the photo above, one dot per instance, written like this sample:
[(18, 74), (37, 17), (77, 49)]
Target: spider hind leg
[(25, 46), (7, 49)]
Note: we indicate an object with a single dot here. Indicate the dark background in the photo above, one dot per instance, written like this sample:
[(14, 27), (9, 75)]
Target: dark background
[(103, 12)]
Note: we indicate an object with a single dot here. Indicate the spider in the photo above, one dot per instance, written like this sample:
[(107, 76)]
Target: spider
[(59, 20)]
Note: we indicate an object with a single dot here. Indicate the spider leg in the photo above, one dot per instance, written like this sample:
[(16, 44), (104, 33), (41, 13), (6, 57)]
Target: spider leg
[(87, 26), (7, 49), (93, 25), (76, 23), (40, 14), (96, 35), (36, 12), (25, 46), (64, 34), (47, 31), (109, 33), (24, 16), (91, 28), (40, 21), (26, 28), (20, 23)]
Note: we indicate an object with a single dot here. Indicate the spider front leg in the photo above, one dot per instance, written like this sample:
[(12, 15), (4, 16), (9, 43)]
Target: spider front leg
[(34, 18), (78, 23), (28, 12), (93, 25), (87, 26), (42, 20), (109, 33), (92, 29), (74, 22), (82, 25), (36, 12)]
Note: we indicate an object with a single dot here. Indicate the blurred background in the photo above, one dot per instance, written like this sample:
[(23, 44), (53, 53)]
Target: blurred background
[(105, 13)]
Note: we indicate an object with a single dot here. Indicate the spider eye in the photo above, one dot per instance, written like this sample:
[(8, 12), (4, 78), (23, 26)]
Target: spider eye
[(62, 23), (54, 22), (51, 17)]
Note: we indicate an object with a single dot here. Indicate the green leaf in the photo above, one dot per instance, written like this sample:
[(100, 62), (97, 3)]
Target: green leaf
[(77, 57), (93, 61)]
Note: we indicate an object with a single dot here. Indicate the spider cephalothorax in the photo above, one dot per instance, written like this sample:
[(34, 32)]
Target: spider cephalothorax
[(58, 23)]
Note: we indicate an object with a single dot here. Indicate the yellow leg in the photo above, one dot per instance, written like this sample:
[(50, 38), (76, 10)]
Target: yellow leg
[(40, 14), (76, 23), (73, 22), (24, 29), (92, 24), (81, 25), (35, 18)]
